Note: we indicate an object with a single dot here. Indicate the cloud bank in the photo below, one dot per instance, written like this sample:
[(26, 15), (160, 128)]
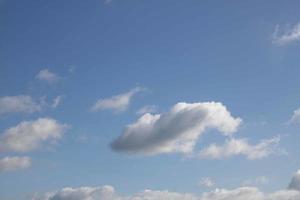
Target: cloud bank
[(116, 103), (109, 193), (177, 130), (14, 163), (30, 135)]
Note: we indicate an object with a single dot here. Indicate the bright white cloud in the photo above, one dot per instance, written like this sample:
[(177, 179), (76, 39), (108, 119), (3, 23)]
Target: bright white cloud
[(109, 193), (47, 76), (29, 135), (234, 147), (296, 117), (177, 130), (147, 109), (286, 36), (14, 163), (207, 182), (19, 104), (117, 103)]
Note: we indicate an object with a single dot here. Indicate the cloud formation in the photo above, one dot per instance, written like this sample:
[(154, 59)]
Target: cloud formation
[(234, 147), (295, 183), (207, 182), (47, 76), (109, 193), (19, 104), (116, 103), (14, 163), (29, 135), (287, 36), (296, 117), (175, 131)]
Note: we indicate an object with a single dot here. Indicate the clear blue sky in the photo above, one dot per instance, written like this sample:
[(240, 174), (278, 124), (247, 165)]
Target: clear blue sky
[(172, 51)]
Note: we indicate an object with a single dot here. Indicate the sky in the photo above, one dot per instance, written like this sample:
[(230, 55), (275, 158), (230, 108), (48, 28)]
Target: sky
[(148, 100)]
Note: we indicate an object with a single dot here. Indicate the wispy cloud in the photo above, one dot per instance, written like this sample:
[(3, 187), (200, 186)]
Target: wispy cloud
[(116, 103), (29, 135), (147, 109), (295, 117), (260, 180), (207, 182), (283, 36), (14, 163), (235, 147), (47, 76), (19, 104), (56, 101)]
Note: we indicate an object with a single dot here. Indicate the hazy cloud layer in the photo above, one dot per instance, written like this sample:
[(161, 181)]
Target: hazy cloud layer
[(29, 135), (14, 163), (235, 147), (19, 104), (116, 103), (109, 193), (47, 76), (287, 35), (177, 130)]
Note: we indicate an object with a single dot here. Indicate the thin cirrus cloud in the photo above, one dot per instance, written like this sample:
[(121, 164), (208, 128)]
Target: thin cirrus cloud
[(117, 103), (47, 76), (175, 131), (14, 163), (235, 147), (295, 117), (30, 135), (109, 193), (19, 104), (287, 35)]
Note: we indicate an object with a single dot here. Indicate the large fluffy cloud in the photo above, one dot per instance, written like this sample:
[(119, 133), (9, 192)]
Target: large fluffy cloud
[(295, 183), (117, 103), (29, 135), (14, 163), (177, 130), (19, 104), (234, 147), (109, 193)]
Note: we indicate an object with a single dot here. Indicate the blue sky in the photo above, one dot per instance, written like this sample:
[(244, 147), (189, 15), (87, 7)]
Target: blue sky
[(85, 68)]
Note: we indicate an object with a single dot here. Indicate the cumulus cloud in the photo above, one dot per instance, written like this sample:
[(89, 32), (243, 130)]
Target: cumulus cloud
[(295, 183), (207, 182), (29, 135), (117, 103), (14, 163), (147, 109), (47, 76), (286, 36), (19, 104), (234, 147), (175, 131), (109, 193)]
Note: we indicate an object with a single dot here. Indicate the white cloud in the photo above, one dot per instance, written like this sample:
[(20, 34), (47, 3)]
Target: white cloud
[(14, 163), (47, 75), (289, 35), (234, 147), (56, 101), (29, 135), (177, 130), (295, 183), (109, 193), (147, 109), (117, 103), (207, 182), (296, 117), (19, 104)]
